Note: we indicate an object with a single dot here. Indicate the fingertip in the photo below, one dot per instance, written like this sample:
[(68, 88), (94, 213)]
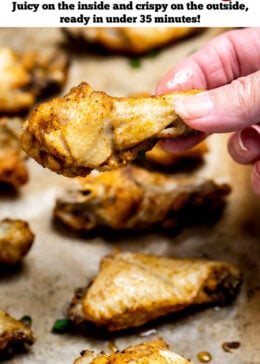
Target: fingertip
[(244, 146), (161, 88), (195, 110), (163, 85), (237, 149), (175, 80)]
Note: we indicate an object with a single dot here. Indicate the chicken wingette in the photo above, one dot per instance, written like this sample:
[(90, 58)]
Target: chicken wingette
[(133, 288), (86, 129), (130, 40), (151, 352), (133, 198)]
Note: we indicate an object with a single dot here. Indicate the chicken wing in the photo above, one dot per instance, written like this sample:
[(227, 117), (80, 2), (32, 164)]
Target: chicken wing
[(26, 76), (13, 333), (151, 352), (133, 198), (133, 288), (12, 159), (130, 40), (88, 130), (162, 158), (16, 239)]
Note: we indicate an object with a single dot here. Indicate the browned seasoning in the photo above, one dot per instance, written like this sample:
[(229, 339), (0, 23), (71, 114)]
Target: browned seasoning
[(204, 357), (230, 346)]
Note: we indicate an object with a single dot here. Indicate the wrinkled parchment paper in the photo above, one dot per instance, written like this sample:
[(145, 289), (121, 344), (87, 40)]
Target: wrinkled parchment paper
[(61, 261)]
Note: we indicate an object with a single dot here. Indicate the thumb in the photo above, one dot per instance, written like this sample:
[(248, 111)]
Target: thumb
[(228, 108)]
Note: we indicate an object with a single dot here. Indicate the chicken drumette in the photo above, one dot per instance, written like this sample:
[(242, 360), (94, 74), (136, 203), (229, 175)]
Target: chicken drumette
[(132, 198), (86, 129)]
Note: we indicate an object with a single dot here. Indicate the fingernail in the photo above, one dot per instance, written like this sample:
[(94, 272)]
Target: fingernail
[(241, 142), (248, 137), (193, 107)]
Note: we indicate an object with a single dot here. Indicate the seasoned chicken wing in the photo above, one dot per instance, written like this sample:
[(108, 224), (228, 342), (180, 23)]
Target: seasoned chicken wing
[(130, 40), (24, 77), (12, 159), (16, 239), (151, 352), (160, 157), (13, 333), (133, 288), (87, 129), (133, 198)]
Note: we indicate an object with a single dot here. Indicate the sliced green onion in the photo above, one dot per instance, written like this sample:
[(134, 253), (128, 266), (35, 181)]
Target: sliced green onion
[(27, 319), (61, 325), (135, 62)]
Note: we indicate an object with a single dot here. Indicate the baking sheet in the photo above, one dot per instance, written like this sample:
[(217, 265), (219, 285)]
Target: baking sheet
[(60, 261)]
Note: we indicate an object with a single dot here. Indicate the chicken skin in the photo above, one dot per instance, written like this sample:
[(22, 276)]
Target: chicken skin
[(151, 352), (16, 239), (27, 76), (133, 288), (133, 198), (13, 334), (130, 40), (12, 159), (86, 130)]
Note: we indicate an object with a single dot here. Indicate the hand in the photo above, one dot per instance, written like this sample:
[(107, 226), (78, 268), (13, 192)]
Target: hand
[(228, 67)]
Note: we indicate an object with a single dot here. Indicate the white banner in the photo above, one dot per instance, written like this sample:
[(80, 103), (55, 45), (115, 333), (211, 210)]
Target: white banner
[(130, 13)]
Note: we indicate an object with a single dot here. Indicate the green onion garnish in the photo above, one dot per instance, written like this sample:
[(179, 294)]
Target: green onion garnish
[(135, 62), (27, 319), (60, 326)]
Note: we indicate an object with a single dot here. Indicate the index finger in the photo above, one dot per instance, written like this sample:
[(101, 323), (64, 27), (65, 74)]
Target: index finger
[(229, 56)]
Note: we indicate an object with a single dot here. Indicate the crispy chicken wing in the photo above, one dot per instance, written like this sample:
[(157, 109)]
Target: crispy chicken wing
[(16, 239), (13, 333), (133, 198), (12, 159), (130, 40), (133, 288), (26, 76), (160, 157), (151, 352), (87, 129)]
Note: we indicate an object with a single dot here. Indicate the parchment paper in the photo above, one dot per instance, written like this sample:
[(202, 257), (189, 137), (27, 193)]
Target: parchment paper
[(61, 261)]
